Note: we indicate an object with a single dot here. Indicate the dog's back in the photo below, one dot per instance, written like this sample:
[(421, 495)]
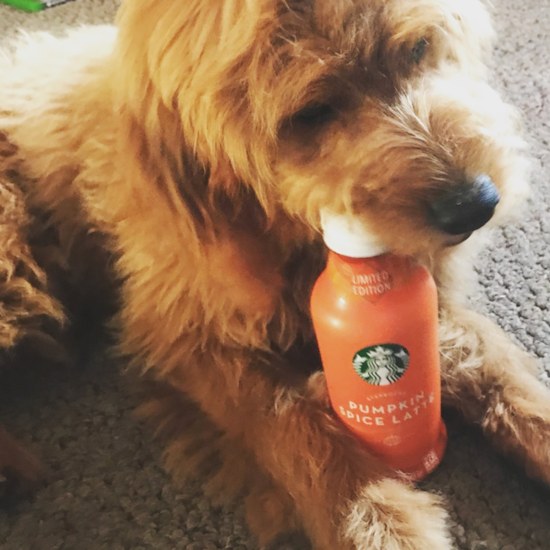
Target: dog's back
[(46, 110)]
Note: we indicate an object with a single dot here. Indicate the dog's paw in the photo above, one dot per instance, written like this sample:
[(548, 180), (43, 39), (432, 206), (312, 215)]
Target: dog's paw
[(390, 515), (524, 436), (517, 417)]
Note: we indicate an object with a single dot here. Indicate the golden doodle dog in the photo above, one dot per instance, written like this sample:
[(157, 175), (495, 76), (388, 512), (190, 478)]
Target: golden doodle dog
[(198, 142)]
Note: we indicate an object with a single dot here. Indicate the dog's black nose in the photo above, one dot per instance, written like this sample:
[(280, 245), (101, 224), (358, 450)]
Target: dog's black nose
[(465, 207)]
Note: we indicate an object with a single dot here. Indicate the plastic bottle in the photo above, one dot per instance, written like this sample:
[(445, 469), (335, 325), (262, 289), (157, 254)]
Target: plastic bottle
[(375, 316)]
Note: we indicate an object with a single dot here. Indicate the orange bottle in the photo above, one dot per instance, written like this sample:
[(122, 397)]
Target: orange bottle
[(376, 320)]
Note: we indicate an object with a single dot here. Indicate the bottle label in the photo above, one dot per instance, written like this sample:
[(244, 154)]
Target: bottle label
[(381, 365), (369, 280), (394, 415), (371, 285)]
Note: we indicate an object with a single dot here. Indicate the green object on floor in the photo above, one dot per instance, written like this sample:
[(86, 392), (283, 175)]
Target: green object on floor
[(27, 5), (33, 5)]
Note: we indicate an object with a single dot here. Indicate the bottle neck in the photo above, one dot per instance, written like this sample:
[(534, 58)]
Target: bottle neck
[(355, 260), (386, 259), (350, 236)]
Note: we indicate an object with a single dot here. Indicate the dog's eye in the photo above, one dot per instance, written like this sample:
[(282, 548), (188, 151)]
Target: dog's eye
[(419, 50), (315, 115)]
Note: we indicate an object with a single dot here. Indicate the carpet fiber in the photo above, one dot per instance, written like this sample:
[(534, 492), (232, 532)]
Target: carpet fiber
[(106, 487)]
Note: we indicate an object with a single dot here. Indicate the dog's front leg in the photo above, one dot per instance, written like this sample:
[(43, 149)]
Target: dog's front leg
[(344, 498), (494, 383)]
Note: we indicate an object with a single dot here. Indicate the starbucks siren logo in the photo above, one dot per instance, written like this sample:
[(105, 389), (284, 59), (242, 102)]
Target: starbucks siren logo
[(381, 365)]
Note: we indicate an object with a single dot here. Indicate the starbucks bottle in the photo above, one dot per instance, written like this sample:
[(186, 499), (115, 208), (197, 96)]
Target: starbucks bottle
[(375, 316)]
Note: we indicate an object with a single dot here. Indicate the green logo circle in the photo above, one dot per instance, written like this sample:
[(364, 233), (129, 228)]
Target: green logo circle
[(381, 365)]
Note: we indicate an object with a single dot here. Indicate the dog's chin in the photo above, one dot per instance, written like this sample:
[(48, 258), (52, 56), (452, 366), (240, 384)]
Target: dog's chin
[(454, 240)]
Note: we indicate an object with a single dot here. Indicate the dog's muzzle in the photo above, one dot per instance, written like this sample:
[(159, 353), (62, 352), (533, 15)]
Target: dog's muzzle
[(465, 207)]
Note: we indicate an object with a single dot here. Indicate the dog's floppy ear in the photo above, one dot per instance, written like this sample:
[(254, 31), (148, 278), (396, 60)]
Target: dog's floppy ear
[(182, 204), (158, 167), (164, 172), (181, 74)]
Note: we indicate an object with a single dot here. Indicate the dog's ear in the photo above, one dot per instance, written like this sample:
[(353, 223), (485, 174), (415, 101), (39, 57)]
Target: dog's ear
[(165, 173), (184, 71), (183, 205)]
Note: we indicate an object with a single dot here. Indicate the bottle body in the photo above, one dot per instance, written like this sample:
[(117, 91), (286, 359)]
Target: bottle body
[(376, 322)]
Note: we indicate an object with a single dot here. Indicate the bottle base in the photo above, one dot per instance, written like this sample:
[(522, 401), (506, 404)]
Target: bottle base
[(431, 460)]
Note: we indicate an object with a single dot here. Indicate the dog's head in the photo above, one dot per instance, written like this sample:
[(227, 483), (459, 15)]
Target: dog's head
[(374, 107)]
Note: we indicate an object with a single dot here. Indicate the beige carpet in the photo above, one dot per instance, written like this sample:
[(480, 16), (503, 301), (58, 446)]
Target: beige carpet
[(107, 489)]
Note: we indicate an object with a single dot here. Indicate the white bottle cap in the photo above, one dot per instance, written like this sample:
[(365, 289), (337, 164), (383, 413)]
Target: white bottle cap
[(350, 236)]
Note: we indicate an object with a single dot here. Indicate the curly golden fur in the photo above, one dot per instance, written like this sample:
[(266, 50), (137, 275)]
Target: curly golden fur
[(201, 139)]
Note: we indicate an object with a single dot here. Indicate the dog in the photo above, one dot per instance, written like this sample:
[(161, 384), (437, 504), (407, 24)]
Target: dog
[(200, 140)]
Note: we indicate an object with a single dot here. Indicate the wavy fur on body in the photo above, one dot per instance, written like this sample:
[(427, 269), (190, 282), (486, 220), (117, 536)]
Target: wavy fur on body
[(28, 312), (186, 139)]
